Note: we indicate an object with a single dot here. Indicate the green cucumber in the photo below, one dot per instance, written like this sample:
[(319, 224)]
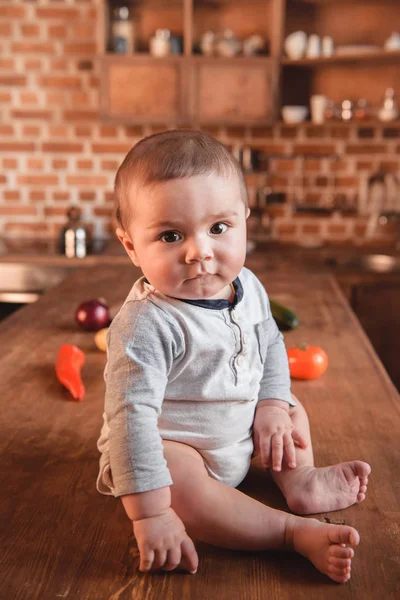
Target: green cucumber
[(285, 319)]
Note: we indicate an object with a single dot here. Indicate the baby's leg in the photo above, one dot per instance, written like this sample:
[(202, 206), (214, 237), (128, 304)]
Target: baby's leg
[(223, 516), (309, 490)]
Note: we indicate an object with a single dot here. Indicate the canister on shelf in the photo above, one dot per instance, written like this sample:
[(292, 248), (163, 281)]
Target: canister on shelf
[(122, 31)]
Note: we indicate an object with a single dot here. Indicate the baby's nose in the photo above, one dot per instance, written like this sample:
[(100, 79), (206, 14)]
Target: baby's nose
[(199, 250)]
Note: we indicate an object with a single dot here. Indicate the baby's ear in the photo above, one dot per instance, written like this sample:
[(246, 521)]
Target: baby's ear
[(127, 243), (247, 212)]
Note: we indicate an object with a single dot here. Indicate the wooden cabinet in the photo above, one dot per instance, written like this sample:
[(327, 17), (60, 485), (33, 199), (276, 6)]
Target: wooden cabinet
[(348, 73), (192, 88), (376, 305)]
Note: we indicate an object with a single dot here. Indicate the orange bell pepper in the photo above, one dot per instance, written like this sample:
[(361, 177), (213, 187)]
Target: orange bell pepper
[(69, 362)]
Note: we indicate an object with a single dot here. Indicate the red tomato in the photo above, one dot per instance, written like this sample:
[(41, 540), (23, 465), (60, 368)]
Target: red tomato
[(307, 362)]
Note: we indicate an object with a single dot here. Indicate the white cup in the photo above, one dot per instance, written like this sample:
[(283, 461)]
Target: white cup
[(318, 104), (313, 49), (327, 46)]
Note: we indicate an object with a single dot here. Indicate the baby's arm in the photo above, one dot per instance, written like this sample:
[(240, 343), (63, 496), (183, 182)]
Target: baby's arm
[(142, 346), (159, 532), (273, 432)]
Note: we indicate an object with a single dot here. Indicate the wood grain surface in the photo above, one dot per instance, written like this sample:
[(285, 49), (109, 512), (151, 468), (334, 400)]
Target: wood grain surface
[(61, 539)]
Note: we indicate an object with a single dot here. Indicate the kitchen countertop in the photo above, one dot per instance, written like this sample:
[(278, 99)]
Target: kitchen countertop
[(61, 539)]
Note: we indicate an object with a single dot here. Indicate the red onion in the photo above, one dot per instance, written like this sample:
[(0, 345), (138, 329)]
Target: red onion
[(93, 315)]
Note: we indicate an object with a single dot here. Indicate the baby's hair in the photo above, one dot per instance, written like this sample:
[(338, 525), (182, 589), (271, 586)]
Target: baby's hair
[(172, 155)]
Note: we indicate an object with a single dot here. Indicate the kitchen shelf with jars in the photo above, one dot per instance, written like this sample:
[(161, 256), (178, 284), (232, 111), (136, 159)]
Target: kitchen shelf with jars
[(190, 61), (246, 61), (340, 61)]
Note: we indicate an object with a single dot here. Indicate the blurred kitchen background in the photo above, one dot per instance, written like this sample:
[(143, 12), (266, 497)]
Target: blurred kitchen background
[(304, 92)]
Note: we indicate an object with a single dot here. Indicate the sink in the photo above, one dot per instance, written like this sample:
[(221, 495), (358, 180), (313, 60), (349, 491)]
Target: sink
[(23, 283), (374, 263)]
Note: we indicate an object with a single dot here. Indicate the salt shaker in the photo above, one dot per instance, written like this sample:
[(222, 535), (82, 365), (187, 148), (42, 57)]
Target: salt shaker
[(160, 43), (122, 31)]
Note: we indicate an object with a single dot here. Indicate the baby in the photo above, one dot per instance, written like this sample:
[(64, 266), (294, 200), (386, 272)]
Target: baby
[(197, 378)]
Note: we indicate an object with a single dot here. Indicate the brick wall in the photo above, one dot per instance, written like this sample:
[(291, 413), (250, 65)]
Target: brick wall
[(54, 149)]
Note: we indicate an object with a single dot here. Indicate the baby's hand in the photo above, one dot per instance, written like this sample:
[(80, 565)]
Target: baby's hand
[(274, 437), (163, 543)]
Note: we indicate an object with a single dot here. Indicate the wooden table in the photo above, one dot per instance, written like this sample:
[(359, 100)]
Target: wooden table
[(61, 539)]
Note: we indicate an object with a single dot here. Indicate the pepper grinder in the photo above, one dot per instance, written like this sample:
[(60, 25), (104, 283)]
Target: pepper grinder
[(74, 237)]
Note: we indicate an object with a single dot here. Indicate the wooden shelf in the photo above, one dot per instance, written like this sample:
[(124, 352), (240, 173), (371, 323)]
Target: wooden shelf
[(337, 59)]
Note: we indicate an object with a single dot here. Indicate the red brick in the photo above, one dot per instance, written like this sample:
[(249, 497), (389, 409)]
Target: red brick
[(59, 64), (3, 179), (109, 165), (284, 164), (7, 63), (6, 130), (37, 196), (33, 64), (26, 228), (314, 149), (58, 32), (82, 30), (62, 147), (100, 211), (366, 148), (55, 211), (347, 181), (108, 131), (27, 97), (10, 163), (65, 82), (62, 13), (315, 131), (80, 99), (81, 115), (80, 48), (18, 210), (337, 228), (13, 80), (58, 131), (84, 165), (87, 196), (392, 166), (286, 228), (61, 196), (37, 179), (313, 164), (5, 97), (5, 30), (17, 146), (34, 163), (32, 47), (99, 180), (12, 195), (12, 12), (56, 98), (311, 228), (58, 163), (31, 130), (364, 165), (32, 114), (30, 30), (111, 148), (83, 131), (133, 131), (272, 148)]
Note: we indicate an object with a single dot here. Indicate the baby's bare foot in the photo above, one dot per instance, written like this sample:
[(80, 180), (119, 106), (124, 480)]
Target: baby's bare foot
[(328, 547), (309, 490)]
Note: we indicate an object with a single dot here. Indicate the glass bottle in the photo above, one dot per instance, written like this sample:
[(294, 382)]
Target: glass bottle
[(122, 31)]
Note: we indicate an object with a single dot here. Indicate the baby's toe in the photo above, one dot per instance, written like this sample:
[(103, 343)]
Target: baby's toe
[(360, 497), (340, 578), (342, 534), (340, 552), (340, 563)]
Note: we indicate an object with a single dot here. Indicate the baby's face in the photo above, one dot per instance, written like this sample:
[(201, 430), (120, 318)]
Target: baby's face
[(189, 235)]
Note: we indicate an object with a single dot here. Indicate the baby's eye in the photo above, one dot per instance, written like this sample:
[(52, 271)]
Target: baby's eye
[(219, 228), (170, 236)]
